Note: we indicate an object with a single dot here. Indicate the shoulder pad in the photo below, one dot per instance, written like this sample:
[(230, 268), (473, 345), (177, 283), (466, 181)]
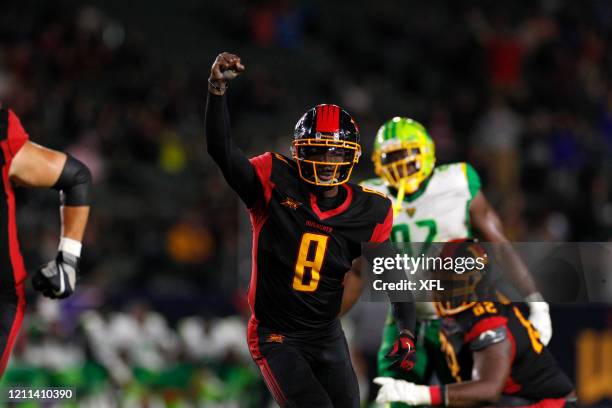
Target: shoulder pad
[(367, 189), (373, 186), (488, 338), (282, 158)]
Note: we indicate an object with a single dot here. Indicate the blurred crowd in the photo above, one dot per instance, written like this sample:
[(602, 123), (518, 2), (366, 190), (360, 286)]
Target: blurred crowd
[(132, 357), (519, 89)]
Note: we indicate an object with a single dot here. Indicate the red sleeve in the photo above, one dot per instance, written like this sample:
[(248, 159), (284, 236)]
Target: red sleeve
[(16, 135), (382, 231), (263, 169)]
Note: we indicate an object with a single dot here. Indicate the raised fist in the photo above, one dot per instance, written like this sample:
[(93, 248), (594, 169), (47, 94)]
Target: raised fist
[(225, 68)]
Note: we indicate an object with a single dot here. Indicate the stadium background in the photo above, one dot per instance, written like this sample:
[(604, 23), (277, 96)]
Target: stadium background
[(519, 89)]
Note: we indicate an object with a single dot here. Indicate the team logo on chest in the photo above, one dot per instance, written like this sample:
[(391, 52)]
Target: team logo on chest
[(410, 211), (291, 203), (275, 338)]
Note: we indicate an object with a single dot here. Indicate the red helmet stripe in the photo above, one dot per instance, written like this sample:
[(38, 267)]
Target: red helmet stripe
[(328, 118)]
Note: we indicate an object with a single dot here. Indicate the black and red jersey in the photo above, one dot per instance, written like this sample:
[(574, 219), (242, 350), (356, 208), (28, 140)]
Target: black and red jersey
[(302, 252), (534, 374)]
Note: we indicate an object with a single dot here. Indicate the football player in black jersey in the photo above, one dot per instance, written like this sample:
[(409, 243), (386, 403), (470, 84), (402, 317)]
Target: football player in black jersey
[(308, 225), (492, 350), (29, 165)]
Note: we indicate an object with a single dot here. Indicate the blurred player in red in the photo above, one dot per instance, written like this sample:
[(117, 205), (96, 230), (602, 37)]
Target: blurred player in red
[(493, 352), (308, 226), (29, 165)]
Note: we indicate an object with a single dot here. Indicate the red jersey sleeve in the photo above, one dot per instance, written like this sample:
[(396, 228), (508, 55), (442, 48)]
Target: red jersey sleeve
[(263, 169), (16, 135), (382, 231)]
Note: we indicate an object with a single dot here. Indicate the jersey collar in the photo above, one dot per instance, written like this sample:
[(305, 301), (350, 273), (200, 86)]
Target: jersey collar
[(323, 215)]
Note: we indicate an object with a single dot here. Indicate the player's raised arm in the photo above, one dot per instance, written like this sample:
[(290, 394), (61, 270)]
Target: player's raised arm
[(488, 223), (38, 167), (234, 164)]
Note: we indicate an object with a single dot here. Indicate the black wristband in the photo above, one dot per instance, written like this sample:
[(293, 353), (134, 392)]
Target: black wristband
[(404, 315), (74, 183)]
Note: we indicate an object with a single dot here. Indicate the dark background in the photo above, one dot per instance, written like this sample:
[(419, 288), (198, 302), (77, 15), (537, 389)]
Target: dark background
[(519, 89)]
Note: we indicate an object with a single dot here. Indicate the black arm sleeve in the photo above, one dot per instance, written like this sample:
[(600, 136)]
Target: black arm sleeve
[(404, 314), (402, 303), (235, 166), (74, 183)]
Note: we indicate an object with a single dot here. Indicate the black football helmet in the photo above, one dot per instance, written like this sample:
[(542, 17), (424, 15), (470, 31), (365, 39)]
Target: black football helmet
[(326, 145), (462, 290)]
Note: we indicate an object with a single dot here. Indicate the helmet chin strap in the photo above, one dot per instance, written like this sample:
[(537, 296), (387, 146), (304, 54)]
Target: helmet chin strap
[(397, 207)]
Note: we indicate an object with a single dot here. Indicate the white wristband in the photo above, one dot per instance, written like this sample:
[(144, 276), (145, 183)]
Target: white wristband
[(421, 395), (537, 304), (535, 297), (70, 246)]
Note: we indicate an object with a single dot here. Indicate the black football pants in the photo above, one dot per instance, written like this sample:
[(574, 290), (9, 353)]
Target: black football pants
[(302, 372), (12, 308)]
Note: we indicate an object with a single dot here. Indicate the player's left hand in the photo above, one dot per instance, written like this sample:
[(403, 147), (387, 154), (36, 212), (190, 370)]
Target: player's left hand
[(539, 316), (57, 279), (403, 352), (402, 391)]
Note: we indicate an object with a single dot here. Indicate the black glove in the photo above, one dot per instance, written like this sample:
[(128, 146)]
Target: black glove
[(57, 279), (403, 352)]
